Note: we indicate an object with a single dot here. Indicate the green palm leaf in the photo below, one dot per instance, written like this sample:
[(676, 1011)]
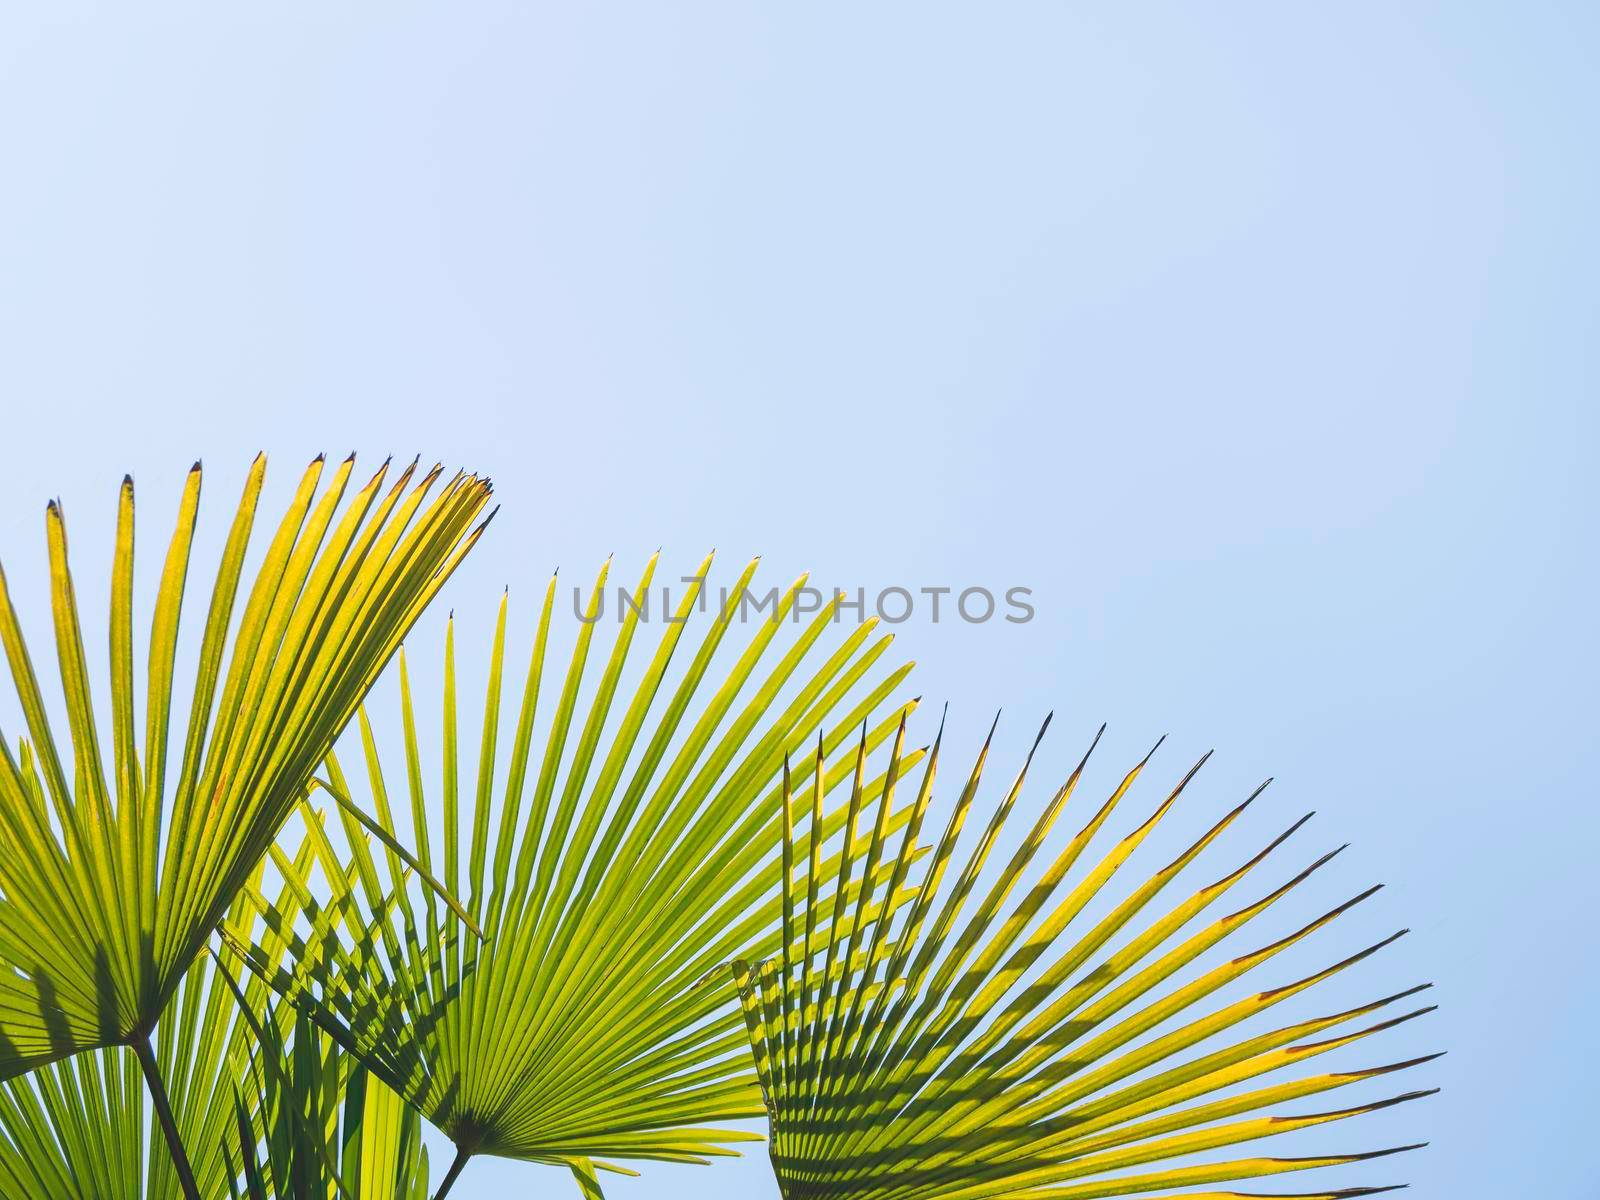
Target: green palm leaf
[(78, 1129), (956, 1053), (111, 886), (312, 1125), (610, 876)]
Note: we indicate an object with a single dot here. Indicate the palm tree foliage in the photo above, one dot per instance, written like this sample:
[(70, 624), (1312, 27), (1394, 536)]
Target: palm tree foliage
[(326, 1130), (610, 875), (943, 1056), (111, 885), (79, 1129), (551, 984)]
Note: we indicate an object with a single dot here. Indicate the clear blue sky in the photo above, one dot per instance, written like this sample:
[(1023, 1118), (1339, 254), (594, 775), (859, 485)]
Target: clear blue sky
[(1258, 339)]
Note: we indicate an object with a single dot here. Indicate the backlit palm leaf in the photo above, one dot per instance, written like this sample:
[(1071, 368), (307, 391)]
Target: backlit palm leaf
[(113, 882), (611, 876), (328, 1130), (1038, 1054), (79, 1129)]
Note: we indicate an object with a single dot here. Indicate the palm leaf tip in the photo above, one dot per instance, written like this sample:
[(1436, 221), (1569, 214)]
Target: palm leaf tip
[(115, 878), (993, 1039)]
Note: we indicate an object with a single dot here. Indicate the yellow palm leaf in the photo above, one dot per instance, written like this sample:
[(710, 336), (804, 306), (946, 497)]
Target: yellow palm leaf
[(115, 872), (956, 1050)]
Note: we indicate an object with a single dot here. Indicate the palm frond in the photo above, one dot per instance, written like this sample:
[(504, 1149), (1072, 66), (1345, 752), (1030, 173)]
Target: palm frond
[(79, 1129), (100, 924), (611, 876), (957, 1051)]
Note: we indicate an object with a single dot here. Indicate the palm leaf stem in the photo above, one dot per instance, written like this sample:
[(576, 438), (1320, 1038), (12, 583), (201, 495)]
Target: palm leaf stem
[(163, 1108), (463, 1154)]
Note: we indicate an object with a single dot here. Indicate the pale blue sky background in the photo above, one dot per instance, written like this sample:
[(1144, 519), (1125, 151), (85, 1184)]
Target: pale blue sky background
[(1258, 339)]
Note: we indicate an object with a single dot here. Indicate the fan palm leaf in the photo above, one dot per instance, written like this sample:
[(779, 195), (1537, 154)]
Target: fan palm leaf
[(78, 1129), (957, 1051), (111, 885), (610, 875)]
